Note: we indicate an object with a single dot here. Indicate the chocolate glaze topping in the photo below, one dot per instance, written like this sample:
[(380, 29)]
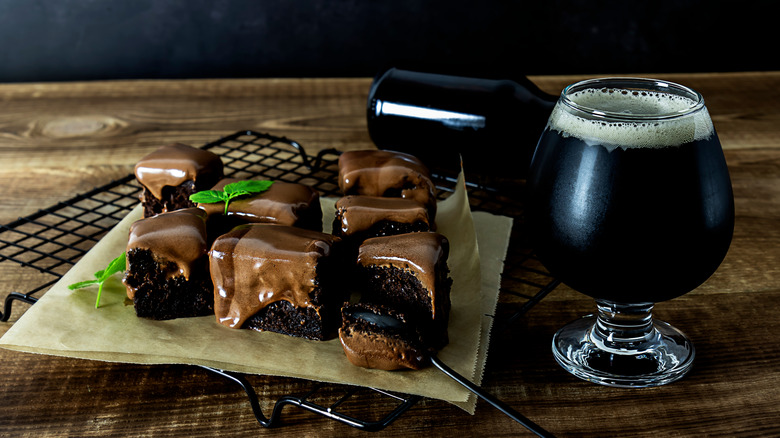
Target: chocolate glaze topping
[(379, 337), (255, 265), (385, 173), (370, 350), (417, 253), (283, 203), (360, 213), (177, 236), (173, 164)]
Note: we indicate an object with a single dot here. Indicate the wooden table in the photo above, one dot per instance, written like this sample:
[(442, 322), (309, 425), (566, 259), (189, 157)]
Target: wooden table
[(60, 139)]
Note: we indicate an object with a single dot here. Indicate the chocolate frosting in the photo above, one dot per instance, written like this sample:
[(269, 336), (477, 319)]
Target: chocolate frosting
[(379, 337), (283, 203), (386, 173), (372, 350), (255, 265), (417, 253), (173, 164), (360, 213), (177, 236)]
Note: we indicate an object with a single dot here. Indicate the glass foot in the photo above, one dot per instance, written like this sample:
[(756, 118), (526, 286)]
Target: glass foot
[(590, 349)]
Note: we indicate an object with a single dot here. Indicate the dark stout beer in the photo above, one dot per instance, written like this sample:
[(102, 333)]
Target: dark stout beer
[(627, 209)]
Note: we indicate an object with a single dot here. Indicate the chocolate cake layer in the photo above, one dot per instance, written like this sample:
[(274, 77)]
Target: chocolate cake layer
[(375, 336), (409, 272), (167, 266), (361, 217), (254, 266), (173, 172), (386, 174)]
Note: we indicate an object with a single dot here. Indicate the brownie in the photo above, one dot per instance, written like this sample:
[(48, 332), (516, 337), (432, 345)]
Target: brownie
[(387, 174), (167, 266), (409, 272), (170, 174), (277, 278), (376, 336), (283, 203), (362, 217)]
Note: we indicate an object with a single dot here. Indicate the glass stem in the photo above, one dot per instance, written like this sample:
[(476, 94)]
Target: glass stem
[(624, 327)]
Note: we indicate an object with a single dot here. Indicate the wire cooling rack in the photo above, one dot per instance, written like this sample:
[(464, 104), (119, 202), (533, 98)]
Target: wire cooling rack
[(49, 242)]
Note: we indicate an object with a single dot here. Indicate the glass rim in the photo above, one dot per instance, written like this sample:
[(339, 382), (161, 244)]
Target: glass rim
[(632, 83)]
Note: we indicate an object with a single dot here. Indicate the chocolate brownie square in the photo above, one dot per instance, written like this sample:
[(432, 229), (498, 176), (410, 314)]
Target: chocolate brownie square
[(173, 172), (167, 266), (278, 278)]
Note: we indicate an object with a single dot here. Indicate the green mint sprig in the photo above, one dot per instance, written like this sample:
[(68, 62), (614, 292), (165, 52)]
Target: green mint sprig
[(116, 265), (230, 191)]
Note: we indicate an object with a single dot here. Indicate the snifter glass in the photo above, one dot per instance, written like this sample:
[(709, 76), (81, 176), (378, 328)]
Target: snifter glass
[(630, 202)]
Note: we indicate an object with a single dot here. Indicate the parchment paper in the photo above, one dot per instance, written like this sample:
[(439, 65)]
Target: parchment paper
[(66, 323)]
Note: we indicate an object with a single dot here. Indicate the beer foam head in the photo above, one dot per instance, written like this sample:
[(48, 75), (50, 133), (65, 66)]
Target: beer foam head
[(631, 119)]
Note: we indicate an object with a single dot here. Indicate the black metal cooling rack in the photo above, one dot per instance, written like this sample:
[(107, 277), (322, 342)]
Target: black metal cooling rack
[(48, 243)]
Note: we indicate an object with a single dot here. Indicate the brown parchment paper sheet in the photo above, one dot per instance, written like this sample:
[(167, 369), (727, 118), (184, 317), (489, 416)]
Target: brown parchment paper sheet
[(66, 323)]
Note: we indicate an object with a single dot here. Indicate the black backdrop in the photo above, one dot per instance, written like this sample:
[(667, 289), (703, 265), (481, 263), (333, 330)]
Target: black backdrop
[(53, 40)]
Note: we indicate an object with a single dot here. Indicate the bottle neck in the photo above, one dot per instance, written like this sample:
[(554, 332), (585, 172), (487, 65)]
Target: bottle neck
[(440, 90), (492, 125)]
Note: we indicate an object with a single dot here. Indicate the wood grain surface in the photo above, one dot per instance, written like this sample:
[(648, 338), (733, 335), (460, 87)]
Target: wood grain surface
[(59, 139)]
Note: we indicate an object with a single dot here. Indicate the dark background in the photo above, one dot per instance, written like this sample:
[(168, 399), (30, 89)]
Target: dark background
[(55, 40)]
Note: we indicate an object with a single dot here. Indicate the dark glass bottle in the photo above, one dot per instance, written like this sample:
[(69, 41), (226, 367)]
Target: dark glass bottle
[(494, 125)]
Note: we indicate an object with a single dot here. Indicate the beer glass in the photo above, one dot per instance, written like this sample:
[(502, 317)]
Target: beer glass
[(630, 202)]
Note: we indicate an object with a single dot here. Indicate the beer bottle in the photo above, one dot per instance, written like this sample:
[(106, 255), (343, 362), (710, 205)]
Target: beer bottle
[(492, 125)]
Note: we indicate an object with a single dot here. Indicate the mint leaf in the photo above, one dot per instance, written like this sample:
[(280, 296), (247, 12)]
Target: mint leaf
[(82, 284), (207, 197), (114, 266), (119, 264), (247, 187), (230, 191)]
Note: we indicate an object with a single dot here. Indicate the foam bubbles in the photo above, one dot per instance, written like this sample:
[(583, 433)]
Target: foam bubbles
[(632, 128)]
